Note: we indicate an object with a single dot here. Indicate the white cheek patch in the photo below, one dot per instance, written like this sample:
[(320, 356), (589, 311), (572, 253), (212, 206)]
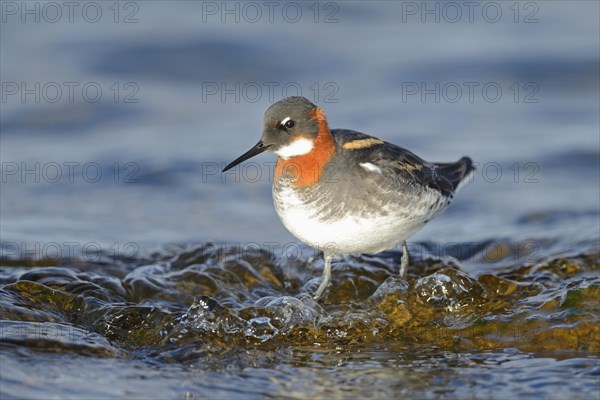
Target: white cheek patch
[(298, 147)]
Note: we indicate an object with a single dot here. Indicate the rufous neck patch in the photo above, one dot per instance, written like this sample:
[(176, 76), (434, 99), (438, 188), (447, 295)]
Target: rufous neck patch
[(307, 169)]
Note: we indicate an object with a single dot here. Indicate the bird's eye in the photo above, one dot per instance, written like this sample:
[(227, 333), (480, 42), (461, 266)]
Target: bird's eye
[(289, 124)]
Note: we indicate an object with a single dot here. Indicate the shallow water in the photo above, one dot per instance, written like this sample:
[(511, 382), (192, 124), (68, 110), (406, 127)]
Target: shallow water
[(214, 321), (140, 271)]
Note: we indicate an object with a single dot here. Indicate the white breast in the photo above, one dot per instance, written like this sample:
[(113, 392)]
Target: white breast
[(352, 234)]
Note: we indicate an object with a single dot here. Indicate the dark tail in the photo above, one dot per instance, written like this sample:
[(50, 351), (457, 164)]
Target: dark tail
[(456, 173)]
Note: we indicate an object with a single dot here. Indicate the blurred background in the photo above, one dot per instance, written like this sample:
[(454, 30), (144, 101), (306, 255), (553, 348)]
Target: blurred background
[(117, 118)]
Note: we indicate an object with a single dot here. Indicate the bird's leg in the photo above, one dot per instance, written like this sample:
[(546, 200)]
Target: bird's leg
[(324, 278), (404, 261)]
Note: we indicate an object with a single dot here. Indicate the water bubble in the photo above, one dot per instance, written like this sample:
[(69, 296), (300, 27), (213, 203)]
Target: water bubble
[(289, 311), (260, 328), (449, 288)]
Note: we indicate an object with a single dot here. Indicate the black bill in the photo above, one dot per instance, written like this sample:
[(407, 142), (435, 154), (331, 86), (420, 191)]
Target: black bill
[(257, 149)]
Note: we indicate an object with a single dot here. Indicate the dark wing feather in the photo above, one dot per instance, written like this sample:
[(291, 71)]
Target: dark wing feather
[(455, 172), (399, 164)]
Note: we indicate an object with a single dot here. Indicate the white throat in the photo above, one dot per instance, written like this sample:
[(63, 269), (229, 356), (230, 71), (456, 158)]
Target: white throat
[(298, 147)]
